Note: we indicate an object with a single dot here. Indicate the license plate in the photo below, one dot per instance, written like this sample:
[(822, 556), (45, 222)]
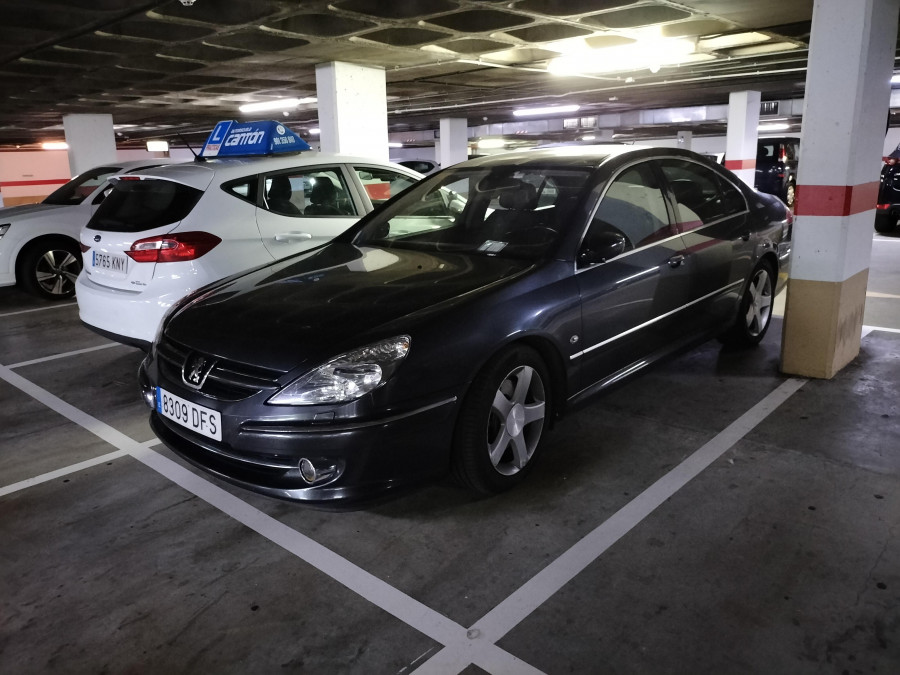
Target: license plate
[(204, 421), (109, 261)]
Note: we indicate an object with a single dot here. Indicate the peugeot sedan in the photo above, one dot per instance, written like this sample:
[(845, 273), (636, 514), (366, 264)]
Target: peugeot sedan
[(448, 329)]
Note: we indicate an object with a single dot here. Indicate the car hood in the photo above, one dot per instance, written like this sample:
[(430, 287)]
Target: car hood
[(21, 212), (308, 308)]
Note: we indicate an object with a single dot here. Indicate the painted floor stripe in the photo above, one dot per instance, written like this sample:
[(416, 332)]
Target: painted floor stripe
[(64, 355), (66, 470), (409, 610), (37, 309), (509, 613), (869, 329), (875, 294)]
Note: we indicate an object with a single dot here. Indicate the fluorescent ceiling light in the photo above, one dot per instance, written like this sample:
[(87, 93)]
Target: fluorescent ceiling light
[(279, 104), (395, 145), (768, 48), (648, 54), (487, 143), (55, 145), (776, 126), (736, 40), (315, 131), (895, 79), (157, 146), (548, 110), (589, 137)]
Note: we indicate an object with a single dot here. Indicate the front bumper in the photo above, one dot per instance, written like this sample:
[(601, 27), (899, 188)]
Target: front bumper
[(359, 460)]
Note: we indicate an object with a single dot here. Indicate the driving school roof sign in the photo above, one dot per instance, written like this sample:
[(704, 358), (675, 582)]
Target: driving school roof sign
[(236, 139)]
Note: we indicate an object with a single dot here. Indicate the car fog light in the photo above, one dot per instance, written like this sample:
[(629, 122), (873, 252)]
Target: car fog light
[(307, 471), (149, 396)]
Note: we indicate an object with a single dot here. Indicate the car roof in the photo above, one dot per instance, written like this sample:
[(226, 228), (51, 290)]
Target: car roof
[(200, 174), (576, 156)]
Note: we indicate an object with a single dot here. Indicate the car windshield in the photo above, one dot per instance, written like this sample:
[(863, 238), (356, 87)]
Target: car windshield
[(502, 211), (77, 189)]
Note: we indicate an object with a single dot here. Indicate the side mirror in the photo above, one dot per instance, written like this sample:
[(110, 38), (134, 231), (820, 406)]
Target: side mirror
[(602, 246)]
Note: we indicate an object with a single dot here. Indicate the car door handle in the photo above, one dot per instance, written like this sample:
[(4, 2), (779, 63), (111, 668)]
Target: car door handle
[(676, 260), (293, 236)]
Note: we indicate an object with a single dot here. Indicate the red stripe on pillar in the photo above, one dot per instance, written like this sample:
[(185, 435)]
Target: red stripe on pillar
[(835, 200), (738, 164), (26, 183)]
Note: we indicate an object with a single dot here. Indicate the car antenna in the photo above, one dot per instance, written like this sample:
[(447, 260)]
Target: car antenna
[(197, 158)]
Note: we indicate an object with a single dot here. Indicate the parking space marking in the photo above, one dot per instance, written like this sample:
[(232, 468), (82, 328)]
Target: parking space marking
[(66, 470), (37, 309), (381, 594), (869, 329), (75, 352), (541, 587), (875, 294)]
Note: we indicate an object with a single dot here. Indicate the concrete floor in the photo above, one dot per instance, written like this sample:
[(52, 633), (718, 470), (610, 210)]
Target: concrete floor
[(711, 516)]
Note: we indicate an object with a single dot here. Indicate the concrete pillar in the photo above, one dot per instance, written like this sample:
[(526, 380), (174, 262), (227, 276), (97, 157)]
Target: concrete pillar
[(454, 146), (684, 139), (851, 57), (740, 139), (352, 109), (91, 140)]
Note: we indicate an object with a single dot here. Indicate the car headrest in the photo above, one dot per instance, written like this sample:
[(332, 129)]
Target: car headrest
[(520, 198)]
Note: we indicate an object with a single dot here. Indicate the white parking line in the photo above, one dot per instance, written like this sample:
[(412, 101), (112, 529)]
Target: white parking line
[(535, 592), (64, 355), (409, 610), (869, 329), (38, 309)]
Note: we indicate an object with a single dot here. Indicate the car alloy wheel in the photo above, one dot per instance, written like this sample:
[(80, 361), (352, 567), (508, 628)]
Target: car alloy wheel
[(502, 421), (49, 269), (790, 195), (755, 313)]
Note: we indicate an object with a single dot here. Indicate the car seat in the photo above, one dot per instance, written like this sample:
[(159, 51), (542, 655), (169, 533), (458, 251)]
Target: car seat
[(279, 197), (323, 199)]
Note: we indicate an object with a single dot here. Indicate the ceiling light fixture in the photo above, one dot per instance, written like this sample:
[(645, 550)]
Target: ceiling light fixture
[(733, 40), (157, 146), (547, 110), (491, 143), (776, 126), (279, 104), (637, 56), (393, 144), (895, 79), (55, 145)]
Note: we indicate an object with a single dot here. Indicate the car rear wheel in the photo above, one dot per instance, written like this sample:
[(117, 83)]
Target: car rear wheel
[(48, 268), (755, 312), (885, 223), (502, 422)]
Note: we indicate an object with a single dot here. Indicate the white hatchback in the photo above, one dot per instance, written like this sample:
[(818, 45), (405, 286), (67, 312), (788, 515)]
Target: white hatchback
[(39, 242), (164, 233)]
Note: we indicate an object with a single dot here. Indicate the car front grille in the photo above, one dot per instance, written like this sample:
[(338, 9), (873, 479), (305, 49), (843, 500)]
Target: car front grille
[(227, 380)]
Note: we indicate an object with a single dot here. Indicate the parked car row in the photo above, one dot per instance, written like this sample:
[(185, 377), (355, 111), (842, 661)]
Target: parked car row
[(322, 328)]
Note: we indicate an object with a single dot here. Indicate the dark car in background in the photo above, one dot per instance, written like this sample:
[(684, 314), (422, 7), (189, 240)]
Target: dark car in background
[(887, 210), (776, 167), (449, 328)]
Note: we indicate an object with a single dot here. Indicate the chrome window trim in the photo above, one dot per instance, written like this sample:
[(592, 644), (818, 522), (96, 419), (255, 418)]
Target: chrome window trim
[(653, 320)]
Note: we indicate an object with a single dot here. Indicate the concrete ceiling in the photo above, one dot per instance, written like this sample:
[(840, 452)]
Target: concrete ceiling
[(161, 67)]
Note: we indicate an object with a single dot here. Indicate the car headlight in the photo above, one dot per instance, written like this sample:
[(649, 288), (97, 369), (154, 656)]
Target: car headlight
[(3, 229), (346, 377)]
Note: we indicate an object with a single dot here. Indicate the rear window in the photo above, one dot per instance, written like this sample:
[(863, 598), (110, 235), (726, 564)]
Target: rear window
[(138, 205)]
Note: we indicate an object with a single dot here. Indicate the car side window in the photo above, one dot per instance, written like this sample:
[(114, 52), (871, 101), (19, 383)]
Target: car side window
[(634, 209), (310, 191), (382, 184), (698, 194), (242, 188)]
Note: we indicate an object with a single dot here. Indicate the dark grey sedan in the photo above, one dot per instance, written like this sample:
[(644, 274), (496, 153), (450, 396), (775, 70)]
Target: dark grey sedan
[(450, 327)]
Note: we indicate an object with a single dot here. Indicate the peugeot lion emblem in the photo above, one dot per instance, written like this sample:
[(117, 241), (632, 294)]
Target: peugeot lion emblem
[(196, 368), (96, 237)]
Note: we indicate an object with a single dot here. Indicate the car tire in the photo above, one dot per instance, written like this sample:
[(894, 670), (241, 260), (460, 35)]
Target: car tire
[(755, 311), (885, 224), (48, 268), (790, 195), (502, 422)]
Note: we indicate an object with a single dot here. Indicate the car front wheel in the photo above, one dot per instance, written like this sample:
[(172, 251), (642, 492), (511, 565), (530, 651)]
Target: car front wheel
[(502, 421), (755, 312), (48, 268)]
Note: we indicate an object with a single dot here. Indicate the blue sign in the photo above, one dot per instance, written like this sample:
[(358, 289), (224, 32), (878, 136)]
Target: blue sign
[(239, 139)]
